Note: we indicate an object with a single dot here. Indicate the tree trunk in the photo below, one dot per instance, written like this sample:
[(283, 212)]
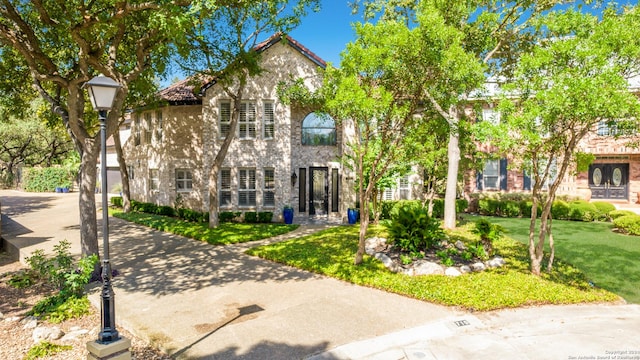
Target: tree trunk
[(124, 174), (87, 202), (214, 209), (535, 262), (453, 154), (552, 246)]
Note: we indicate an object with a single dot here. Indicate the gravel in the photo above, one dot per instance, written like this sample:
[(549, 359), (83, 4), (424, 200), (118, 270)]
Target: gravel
[(16, 338)]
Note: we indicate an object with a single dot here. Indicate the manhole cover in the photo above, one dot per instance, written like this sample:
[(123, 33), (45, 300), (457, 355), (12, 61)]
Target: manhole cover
[(461, 323)]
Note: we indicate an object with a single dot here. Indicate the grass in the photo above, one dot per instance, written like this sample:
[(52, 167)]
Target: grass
[(331, 252), (226, 233), (609, 259)]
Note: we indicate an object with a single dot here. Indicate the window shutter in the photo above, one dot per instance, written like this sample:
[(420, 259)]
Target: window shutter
[(479, 180), (526, 181), (503, 174)]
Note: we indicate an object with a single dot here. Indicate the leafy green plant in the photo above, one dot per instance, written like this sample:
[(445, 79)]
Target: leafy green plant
[(619, 213), (45, 179), (165, 210), (265, 217), (581, 210), (510, 208), (405, 259), (628, 223), (603, 208), (45, 349), (229, 216), (412, 230), (251, 217), (488, 233), (21, 280), (116, 201), (60, 307), (444, 257), (560, 210)]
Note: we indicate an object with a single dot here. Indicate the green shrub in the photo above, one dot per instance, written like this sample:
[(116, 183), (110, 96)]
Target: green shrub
[(628, 223), (488, 207), (165, 211), (399, 204), (580, 210), (228, 216), (58, 308), (488, 233), (265, 217), (192, 215), (385, 209), (510, 208), (412, 230), (461, 206), (46, 179), (619, 213), (560, 210), (251, 217), (604, 208), (116, 201), (45, 349)]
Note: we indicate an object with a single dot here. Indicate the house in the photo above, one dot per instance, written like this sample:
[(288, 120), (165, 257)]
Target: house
[(614, 175), (281, 154)]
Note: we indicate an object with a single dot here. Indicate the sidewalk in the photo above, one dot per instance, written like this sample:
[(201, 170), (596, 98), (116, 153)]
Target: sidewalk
[(198, 301)]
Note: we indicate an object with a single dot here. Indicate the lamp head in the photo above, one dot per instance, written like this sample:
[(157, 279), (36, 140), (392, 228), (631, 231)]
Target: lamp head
[(102, 92)]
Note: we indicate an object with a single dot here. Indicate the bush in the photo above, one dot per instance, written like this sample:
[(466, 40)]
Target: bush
[(461, 206), (265, 217), (488, 233), (510, 208), (628, 223), (228, 216), (560, 210), (251, 217), (116, 201), (412, 230), (46, 179), (488, 207), (165, 211), (581, 210), (191, 215), (619, 213), (525, 208), (604, 208)]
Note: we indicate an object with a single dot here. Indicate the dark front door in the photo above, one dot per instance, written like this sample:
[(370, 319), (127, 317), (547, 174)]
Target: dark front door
[(318, 191), (609, 181)]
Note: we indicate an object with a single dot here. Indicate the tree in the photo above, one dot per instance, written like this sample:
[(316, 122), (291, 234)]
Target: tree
[(222, 49), (574, 79), (61, 45), (463, 42)]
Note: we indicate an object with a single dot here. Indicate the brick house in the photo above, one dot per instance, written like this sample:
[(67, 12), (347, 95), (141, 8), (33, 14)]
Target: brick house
[(614, 175), (281, 154)]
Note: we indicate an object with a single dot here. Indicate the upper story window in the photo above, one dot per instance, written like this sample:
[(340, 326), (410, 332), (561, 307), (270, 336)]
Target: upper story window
[(491, 115), (318, 129), (268, 120), (136, 129), (147, 128), (159, 126), (247, 121)]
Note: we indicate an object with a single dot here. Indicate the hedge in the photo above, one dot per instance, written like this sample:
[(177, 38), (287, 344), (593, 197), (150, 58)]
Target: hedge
[(619, 213), (46, 179), (387, 207), (604, 209), (628, 223)]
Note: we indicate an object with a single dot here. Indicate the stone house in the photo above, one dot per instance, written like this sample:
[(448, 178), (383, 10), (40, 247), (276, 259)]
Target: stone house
[(281, 155), (614, 175)]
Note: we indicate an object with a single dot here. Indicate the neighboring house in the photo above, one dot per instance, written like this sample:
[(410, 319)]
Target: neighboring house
[(114, 181), (281, 154), (614, 175)]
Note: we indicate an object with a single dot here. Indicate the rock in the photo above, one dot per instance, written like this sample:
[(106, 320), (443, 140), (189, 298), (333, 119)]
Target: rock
[(451, 271), (460, 246), (74, 333), (410, 271), (371, 244), (427, 268), (1, 315), (386, 260), (12, 319), (30, 322), (496, 262), (478, 266), (47, 333), (465, 269)]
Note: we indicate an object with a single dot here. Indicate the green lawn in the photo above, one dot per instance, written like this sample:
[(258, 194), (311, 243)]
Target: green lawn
[(610, 260), (331, 252), (226, 233)]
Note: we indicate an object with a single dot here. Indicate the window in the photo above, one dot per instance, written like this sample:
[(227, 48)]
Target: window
[(388, 194), (184, 180), (268, 120), (247, 121), (225, 119), (154, 179), (136, 126), (318, 129), (147, 128), (491, 175), (159, 126), (225, 187), (404, 188), (131, 172), (553, 173), (269, 190), (247, 187), (491, 115)]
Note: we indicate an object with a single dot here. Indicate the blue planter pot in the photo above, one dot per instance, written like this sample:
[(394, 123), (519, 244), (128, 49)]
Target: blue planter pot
[(58, 189), (65, 189), (352, 215), (288, 215)]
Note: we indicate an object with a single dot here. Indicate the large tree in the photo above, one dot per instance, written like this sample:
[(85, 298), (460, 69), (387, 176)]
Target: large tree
[(575, 78), (222, 49), (62, 45)]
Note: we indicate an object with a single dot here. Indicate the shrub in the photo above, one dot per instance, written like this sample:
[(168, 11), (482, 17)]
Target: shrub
[(45, 179), (581, 210), (488, 233), (251, 217), (385, 209), (265, 216), (45, 349), (412, 230), (628, 223), (191, 215), (488, 207), (228, 216), (510, 208), (165, 211), (116, 201), (461, 206), (399, 204), (619, 213), (604, 208), (560, 210)]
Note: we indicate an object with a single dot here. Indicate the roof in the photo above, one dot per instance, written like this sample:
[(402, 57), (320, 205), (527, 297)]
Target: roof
[(189, 91)]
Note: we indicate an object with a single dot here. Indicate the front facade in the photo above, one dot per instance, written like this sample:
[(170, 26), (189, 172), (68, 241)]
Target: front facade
[(281, 155)]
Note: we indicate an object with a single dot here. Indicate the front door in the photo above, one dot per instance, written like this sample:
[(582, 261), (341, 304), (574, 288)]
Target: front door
[(318, 191), (609, 181)]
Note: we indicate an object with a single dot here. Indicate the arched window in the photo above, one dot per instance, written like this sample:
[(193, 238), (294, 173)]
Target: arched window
[(318, 129)]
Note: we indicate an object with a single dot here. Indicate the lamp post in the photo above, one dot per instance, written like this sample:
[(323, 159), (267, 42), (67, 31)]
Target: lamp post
[(102, 91)]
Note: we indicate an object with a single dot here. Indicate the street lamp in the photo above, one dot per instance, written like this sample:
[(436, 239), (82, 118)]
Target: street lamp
[(102, 91)]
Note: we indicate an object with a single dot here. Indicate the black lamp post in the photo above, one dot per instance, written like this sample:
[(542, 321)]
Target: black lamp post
[(102, 91)]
